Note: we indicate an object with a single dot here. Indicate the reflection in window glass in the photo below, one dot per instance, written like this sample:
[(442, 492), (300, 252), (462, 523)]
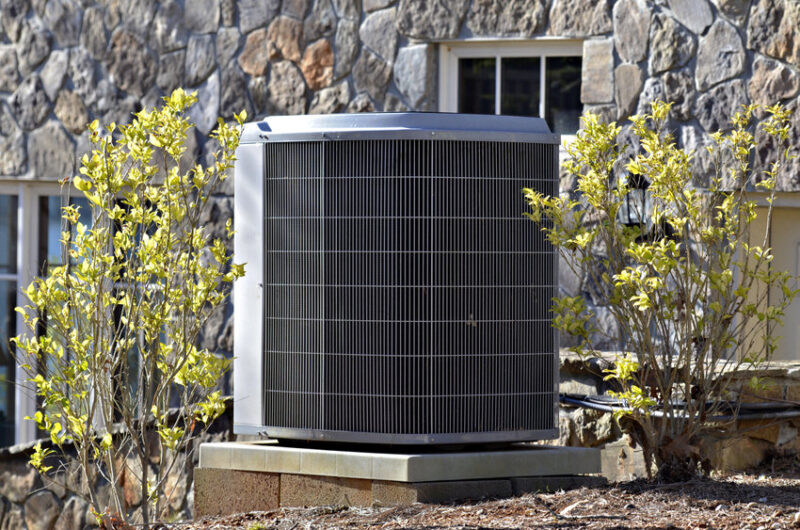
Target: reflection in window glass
[(476, 86), (520, 86), (8, 297), (50, 251), (8, 234), (563, 100)]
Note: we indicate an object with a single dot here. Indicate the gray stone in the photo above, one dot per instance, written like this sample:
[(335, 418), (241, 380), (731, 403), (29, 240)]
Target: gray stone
[(71, 111), (63, 17), (13, 520), (735, 10), (715, 108), (570, 277), (15, 156), (511, 18), (286, 35), (771, 82), (772, 29), (330, 100), (153, 99), (347, 45), (201, 16), (631, 29), (200, 59), (93, 33), (228, 42), (414, 72), (136, 15), (378, 34), (628, 82), (350, 9), (29, 103), (295, 8), (227, 12), (9, 73), (671, 45), (768, 151), (597, 77), (653, 91), (204, 113), (720, 55), (432, 19), (605, 113), (321, 22), (105, 96), (73, 515), (8, 125), (286, 91), (113, 14), (694, 14), (33, 46), (254, 14), (580, 19), (679, 90), (41, 510), (233, 97), (169, 32), (317, 64), (13, 15), (374, 5), (130, 65), (393, 103), (371, 74), (258, 50), (51, 153), (122, 111), (82, 71), (170, 71), (258, 92), (693, 140)]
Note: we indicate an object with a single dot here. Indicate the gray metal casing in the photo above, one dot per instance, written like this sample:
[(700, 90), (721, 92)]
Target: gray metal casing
[(311, 134)]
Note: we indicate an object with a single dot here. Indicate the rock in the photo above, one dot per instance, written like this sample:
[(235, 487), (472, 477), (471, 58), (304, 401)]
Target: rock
[(9, 74), (371, 74), (73, 515), (392, 103), (569, 278), (374, 5), (693, 140), (13, 520), (628, 82), (122, 111), (735, 10), (772, 30), (432, 19), (347, 46), (106, 97), (720, 55), (414, 73), (200, 59), (227, 12), (113, 14), (361, 103), (295, 8), (15, 156), (82, 70), (41, 510), (330, 100), (93, 33), (258, 91), (171, 70), (71, 111), (671, 45), (767, 152), (286, 91), (679, 90), (54, 72), (378, 33), (737, 454), (597, 79), (653, 91), (13, 16), (33, 46), (130, 65), (63, 17), (8, 125), (29, 103), (51, 153), (154, 99), (580, 19), (510, 18), (771, 81), (349, 9), (254, 14), (606, 338), (631, 29), (605, 113), (257, 51), (321, 22), (204, 113), (715, 108), (317, 65), (201, 16), (233, 93), (168, 32), (286, 34), (136, 15), (694, 14), (228, 42)]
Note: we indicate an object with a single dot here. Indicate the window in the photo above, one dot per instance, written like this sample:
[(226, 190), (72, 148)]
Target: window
[(520, 78)]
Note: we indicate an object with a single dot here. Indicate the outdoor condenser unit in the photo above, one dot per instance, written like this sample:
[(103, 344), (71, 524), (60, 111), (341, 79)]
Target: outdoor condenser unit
[(394, 292)]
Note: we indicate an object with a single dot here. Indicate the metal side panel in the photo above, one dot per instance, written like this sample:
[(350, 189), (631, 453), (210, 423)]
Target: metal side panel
[(248, 295)]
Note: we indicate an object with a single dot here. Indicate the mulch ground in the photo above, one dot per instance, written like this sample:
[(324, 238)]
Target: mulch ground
[(764, 499)]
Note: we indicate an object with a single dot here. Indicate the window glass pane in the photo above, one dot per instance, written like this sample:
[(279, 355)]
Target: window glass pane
[(563, 102), (50, 228), (520, 86), (8, 234), (8, 290), (476, 80)]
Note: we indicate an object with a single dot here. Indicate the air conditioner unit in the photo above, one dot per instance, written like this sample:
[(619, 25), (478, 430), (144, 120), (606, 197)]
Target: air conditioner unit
[(394, 293)]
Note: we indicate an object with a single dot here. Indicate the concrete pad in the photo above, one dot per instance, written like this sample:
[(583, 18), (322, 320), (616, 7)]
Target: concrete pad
[(303, 490), (225, 491)]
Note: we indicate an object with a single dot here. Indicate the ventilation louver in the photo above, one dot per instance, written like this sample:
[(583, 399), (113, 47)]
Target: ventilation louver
[(394, 291)]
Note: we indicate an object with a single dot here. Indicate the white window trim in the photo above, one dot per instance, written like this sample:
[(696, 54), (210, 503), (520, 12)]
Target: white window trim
[(451, 52)]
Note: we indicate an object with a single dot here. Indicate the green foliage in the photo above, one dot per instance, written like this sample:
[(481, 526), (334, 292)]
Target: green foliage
[(112, 350), (688, 284)]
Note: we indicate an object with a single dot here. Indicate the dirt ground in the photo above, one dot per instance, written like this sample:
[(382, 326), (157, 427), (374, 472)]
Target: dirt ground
[(763, 499)]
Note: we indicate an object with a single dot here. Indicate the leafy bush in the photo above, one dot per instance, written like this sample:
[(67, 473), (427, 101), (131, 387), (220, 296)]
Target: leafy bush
[(687, 282), (113, 332)]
